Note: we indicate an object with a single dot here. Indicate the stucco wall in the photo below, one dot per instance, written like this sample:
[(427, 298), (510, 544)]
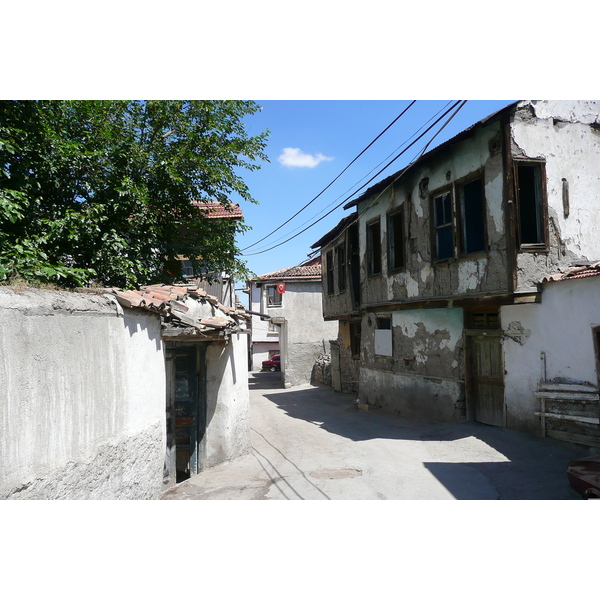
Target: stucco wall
[(424, 376), (561, 327), (559, 133), (82, 398), (227, 414), (304, 334)]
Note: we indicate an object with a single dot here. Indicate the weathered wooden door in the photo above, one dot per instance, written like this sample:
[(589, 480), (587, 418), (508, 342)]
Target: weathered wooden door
[(485, 368)]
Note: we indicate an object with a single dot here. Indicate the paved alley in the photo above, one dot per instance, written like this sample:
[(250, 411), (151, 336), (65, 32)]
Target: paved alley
[(310, 443)]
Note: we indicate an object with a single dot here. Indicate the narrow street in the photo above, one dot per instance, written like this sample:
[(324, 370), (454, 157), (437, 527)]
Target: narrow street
[(310, 443)]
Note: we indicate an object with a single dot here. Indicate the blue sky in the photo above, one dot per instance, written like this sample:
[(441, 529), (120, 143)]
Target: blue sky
[(310, 144)]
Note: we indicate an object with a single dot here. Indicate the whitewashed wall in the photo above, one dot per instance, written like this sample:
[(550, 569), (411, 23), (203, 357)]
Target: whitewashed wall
[(82, 398), (561, 327)]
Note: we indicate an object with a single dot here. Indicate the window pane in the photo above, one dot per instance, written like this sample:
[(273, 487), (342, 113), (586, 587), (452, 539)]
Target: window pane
[(445, 244), (530, 204), (471, 196), (396, 242), (374, 248)]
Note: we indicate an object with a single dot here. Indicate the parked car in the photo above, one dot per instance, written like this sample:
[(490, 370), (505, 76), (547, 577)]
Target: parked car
[(584, 476), (273, 364)]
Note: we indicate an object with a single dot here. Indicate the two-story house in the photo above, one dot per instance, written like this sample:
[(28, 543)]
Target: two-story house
[(439, 278), (292, 300)]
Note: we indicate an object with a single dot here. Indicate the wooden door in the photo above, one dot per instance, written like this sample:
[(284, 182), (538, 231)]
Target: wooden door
[(487, 382), (485, 369)]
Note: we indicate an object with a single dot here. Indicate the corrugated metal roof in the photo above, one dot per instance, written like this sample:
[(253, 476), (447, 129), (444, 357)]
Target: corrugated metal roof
[(579, 272)]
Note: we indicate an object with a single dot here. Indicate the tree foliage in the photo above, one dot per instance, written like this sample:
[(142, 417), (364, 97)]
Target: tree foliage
[(105, 190)]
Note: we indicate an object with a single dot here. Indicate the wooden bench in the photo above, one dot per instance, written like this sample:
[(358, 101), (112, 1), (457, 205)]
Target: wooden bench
[(565, 401)]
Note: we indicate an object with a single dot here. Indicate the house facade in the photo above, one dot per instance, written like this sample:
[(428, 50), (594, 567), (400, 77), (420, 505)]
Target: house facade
[(435, 273), (292, 300), (265, 334)]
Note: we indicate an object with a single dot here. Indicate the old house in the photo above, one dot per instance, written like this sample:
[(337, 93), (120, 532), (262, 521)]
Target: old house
[(292, 299), (443, 279), (113, 394), (264, 343)]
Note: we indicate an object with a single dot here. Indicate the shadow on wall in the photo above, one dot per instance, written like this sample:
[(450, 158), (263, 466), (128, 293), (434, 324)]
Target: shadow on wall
[(534, 468)]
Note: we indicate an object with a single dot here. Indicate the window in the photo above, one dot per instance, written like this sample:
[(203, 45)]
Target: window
[(395, 241), (355, 338), (186, 268), (383, 336), (341, 267), (329, 262), (531, 205), (272, 329), (374, 247), (472, 216), (273, 296), (444, 231)]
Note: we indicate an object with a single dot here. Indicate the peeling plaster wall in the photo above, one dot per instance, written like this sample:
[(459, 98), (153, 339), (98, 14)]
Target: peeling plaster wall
[(561, 327), (82, 398), (560, 133), (227, 413), (423, 279), (425, 375)]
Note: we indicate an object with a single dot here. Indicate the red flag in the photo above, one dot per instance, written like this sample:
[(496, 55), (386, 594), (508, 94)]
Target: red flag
[(280, 288)]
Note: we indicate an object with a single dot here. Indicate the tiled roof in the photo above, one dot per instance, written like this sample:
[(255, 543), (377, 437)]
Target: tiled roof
[(216, 210), (579, 272), (168, 301), (310, 270)]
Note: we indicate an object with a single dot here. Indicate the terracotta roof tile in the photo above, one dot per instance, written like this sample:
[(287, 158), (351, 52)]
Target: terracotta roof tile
[(580, 272), (309, 270), (216, 210)]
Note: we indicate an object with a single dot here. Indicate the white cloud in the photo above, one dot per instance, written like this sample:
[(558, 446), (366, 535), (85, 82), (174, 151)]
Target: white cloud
[(294, 157)]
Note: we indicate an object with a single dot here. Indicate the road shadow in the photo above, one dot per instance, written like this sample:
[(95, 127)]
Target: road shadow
[(535, 467), (264, 380)]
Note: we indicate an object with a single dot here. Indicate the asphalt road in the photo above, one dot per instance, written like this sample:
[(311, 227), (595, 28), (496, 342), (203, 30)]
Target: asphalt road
[(310, 443)]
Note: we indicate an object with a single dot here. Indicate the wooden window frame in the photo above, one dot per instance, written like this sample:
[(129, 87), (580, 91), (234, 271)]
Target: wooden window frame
[(540, 246), (458, 185), (397, 213), (340, 250), (371, 251), (330, 272), (275, 295), (434, 228)]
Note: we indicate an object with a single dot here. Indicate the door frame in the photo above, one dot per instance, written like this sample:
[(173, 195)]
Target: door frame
[(170, 463), (470, 332)]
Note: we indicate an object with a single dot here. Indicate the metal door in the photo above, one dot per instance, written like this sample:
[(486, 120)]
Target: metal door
[(486, 377)]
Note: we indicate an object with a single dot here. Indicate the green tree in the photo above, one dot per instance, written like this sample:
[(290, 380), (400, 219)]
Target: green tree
[(105, 190)]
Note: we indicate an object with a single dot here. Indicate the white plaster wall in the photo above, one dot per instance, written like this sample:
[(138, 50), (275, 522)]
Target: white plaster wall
[(260, 352), (561, 327), (572, 151), (82, 398), (227, 421)]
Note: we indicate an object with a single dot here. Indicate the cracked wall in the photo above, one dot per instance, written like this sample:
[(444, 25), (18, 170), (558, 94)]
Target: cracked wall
[(566, 136), (424, 377), (82, 398)]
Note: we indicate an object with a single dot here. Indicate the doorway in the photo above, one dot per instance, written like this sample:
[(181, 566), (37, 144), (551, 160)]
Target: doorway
[(485, 371), (186, 411)]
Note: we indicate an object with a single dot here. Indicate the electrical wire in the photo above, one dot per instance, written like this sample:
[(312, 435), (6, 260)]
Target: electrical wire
[(362, 179), (461, 103), (332, 182)]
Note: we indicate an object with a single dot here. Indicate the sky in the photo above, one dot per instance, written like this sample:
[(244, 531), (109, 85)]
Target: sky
[(311, 142)]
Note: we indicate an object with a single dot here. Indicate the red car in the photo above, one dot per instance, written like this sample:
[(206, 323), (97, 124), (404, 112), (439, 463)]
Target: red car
[(274, 364)]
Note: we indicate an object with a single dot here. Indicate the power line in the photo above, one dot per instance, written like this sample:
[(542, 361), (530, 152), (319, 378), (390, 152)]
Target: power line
[(461, 103), (362, 179), (332, 182)]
